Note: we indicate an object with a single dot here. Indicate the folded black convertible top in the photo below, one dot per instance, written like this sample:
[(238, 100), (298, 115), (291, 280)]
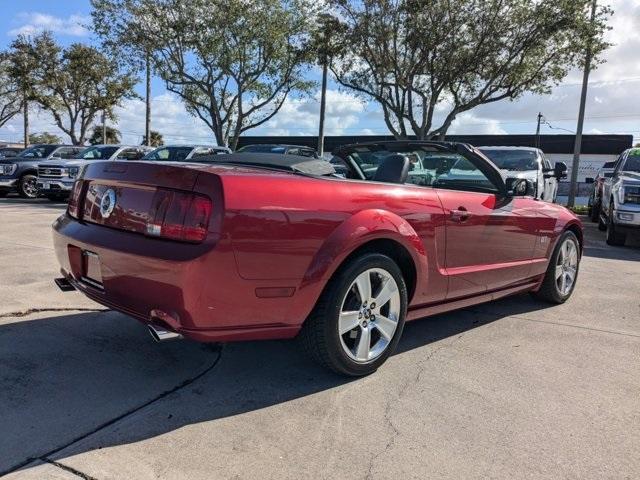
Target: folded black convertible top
[(291, 163)]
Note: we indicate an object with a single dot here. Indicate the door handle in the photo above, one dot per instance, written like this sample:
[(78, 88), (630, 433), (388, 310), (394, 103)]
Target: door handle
[(460, 214)]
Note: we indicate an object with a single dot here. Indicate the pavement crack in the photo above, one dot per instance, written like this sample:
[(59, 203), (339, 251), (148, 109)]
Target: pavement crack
[(395, 431), (46, 456), (67, 468), (31, 311)]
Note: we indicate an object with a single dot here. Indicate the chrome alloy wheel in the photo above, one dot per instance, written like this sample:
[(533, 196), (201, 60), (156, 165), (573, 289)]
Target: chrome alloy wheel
[(369, 315), (29, 187), (566, 266)]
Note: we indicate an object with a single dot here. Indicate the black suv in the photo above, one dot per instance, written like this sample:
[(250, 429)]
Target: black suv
[(19, 173)]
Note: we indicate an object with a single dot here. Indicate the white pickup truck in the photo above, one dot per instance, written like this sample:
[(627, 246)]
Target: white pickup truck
[(57, 176), (531, 164), (620, 210)]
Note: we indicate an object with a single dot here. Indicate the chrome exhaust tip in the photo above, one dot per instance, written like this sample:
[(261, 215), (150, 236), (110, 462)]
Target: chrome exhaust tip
[(159, 334)]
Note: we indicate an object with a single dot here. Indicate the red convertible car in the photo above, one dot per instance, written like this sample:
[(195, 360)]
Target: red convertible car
[(341, 253)]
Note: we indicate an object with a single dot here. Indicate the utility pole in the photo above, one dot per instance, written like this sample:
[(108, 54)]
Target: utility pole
[(577, 148), (538, 130), (104, 128), (147, 120), (25, 119)]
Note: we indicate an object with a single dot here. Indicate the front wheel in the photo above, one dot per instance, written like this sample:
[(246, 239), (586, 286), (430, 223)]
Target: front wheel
[(594, 212), (27, 186), (562, 272), (359, 318)]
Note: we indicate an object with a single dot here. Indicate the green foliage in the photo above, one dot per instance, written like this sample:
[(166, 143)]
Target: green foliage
[(44, 137), (419, 57), (233, 62), (74, 84), (156, 139), (112, 134), (10, 97)]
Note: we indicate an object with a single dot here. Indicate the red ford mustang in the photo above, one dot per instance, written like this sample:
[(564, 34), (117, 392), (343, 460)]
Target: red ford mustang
[(261, 246)]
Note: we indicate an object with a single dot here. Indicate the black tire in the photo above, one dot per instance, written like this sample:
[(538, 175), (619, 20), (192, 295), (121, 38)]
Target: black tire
[(549, 290), (27, 186), (601, 225), (594, 212), (319, 335), (3, 193), (614, 238)]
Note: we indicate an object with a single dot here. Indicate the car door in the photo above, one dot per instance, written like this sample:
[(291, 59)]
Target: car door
[(490, 240)]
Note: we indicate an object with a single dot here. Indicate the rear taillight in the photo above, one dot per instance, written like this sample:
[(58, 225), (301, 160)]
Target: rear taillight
[(179, 216), (74, 200)]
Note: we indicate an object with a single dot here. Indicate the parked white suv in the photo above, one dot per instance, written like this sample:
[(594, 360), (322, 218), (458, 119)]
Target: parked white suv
[(620, 207), (531, 164), (57, 176)]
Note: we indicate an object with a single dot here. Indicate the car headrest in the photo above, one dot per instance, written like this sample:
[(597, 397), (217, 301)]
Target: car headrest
[(393, 169)]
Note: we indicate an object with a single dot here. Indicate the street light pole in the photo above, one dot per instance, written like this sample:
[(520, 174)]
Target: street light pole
[(323, 106), (577, 148), (538, 130)]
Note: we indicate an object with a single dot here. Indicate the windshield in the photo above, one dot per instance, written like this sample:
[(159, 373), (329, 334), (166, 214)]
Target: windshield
[(38, 151), (633, 163), (518, 160), (97, 153), (262, 149), (428, 166), (169, 154)]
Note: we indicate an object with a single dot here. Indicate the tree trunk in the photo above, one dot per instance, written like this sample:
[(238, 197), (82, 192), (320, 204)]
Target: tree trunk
[(147, 126), (25, 118), (323, 105)]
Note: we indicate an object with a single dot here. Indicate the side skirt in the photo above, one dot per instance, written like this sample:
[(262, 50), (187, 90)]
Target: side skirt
[(434, 309)]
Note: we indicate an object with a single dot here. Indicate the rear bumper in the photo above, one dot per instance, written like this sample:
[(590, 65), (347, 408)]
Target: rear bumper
[(194, 290)]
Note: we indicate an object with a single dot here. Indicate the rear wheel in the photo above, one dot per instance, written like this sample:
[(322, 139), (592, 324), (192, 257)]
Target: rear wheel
[(562, 272), (613, 237), (3, 193), (359, 318), (27, 186)]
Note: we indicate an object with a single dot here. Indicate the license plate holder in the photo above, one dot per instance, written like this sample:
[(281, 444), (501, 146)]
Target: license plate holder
[(91, 269)]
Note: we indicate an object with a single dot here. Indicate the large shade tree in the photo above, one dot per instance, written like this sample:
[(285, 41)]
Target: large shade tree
[(233, 62), (10, 97), (76, 84), (427, 61)]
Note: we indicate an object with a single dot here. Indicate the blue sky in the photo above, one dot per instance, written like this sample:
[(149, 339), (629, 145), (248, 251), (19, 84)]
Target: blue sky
[(613, 102)]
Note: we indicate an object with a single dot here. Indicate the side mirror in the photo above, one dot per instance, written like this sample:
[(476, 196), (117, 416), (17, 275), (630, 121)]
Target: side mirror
[(589, 180), (560, 170), (519, 187)]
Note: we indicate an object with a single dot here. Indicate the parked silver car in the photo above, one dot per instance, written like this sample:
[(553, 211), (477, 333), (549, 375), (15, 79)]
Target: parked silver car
[(620, 212), (181, 153), (57, 176), (531, 164)]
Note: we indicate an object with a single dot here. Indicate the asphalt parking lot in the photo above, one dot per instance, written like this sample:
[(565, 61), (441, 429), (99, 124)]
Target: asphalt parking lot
[(510, 389)]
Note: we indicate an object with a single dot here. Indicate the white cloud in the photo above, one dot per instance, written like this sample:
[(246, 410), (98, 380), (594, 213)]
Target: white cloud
[(299, 116), (35, 22)]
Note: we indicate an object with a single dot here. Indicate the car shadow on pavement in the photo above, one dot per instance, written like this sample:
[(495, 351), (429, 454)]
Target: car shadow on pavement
[(43, 203), (65, 379)]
